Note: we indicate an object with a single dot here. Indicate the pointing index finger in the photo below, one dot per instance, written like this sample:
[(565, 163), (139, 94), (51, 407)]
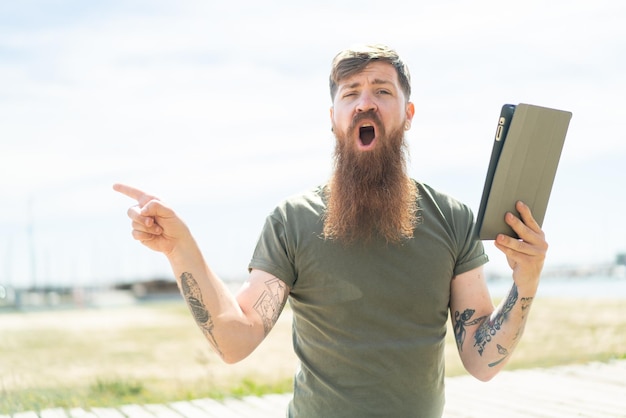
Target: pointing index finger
[(140, 196)]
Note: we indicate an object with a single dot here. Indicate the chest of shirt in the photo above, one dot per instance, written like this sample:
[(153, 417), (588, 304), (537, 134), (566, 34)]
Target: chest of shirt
[(408, 282)]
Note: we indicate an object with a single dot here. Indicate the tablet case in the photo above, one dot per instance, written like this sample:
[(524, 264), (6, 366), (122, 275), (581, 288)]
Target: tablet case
[(524, 159)]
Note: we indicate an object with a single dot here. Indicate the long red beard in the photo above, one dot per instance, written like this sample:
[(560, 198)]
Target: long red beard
[(370, 195)]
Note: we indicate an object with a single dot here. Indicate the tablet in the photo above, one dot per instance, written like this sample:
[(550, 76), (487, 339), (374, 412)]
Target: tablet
[(524, 159)]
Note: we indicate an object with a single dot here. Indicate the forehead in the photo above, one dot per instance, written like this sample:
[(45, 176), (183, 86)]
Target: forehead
[(377, 72)]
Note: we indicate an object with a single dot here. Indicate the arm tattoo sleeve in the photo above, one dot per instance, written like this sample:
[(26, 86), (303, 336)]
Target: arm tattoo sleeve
[(491, 326), (271, 302), (193, 297), (462, 320)]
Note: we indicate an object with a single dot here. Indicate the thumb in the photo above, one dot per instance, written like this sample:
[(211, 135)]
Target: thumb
[(156, 209)]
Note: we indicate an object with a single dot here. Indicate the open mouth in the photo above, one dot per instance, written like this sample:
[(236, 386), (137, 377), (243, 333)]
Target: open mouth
[(366, 134)]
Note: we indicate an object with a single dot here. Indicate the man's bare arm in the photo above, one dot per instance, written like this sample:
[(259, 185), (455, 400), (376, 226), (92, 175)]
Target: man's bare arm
[(487, 337), (234, 326)]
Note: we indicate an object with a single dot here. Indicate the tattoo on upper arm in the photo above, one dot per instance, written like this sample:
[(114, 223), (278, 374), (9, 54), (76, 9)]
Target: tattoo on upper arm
[(488, 329), (193, 297), (271, 302), (462, 320)]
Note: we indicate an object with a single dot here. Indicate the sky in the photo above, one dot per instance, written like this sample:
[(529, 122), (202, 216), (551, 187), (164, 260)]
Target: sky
[(222, 110)]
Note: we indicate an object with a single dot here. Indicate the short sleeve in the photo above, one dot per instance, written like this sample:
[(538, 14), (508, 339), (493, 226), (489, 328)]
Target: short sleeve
[(471, 250), (272, 253)]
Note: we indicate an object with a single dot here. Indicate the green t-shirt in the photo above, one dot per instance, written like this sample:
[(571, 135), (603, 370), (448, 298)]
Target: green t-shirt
[(369, 319)]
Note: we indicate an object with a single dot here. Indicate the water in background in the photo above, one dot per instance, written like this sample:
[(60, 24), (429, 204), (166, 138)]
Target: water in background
[(587, 287), (598, 287)]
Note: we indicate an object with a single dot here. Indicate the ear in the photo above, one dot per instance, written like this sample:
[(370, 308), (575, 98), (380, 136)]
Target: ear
[(332, 114), (410, 111)]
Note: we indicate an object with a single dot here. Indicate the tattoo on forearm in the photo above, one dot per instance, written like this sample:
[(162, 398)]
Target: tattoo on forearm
[(271, 303), (462, 320), (193, 296), (488, 329), (502, 351), (526, 302)]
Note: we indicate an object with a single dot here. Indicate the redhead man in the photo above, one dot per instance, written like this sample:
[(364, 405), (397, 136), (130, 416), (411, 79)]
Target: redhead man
[(372, 263)]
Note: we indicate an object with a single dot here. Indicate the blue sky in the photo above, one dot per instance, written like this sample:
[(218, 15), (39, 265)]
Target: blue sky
[(221, 108)]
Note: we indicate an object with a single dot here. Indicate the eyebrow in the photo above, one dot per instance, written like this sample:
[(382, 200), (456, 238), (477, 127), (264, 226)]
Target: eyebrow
[(376, 81)]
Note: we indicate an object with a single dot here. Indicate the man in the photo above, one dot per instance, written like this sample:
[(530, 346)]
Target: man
[(371, 263)]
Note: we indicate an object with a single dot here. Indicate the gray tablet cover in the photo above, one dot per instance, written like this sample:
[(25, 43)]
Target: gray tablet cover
[(525, 166)]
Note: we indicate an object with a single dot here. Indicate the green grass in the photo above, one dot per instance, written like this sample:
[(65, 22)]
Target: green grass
[(114, 392), (155, 354)]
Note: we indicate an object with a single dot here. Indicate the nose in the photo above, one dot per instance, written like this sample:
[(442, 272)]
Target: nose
[(366, 103)]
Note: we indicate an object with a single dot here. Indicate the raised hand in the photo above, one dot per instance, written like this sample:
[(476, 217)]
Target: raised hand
[(525, 255), (154, 224)]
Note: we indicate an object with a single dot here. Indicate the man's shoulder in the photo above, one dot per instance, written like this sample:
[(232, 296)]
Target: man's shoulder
[(441, 199), (311, 193), (311, 199)]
